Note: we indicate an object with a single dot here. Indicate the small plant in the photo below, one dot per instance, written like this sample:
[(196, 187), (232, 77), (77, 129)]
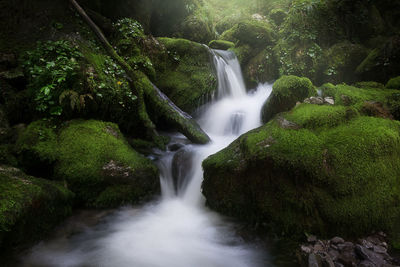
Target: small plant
[(129, 28), (52, 68)]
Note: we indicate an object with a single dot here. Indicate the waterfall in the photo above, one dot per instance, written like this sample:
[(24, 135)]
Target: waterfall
[(178, 230)]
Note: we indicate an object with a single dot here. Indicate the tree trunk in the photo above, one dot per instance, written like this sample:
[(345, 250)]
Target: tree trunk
[(142, 85)]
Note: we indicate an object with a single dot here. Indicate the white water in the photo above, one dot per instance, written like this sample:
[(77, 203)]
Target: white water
[(177, 231)]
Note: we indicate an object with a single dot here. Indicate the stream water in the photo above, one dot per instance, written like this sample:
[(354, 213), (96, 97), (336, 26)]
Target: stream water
[(177, 230)]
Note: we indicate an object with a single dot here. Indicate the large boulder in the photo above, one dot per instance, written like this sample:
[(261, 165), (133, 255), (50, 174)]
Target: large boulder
[(93, 158), (285, 93), (320, 169), (251, 32), (29, 207), (185, 73)]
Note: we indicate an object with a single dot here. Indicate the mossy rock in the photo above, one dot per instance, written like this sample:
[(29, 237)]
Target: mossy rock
[(394, 83), (342, 60), (29, 207), (370, 84), (90, 156), (38, 149), (197, 28), (286, 91), (356, 97), (262, 68), (94, 156), (333, 174), (221, 44), (185, 73), (382, 63), (255, 33)]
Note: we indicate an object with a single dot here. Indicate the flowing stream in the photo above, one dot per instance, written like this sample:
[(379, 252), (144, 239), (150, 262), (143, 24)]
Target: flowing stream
[(177, 230)]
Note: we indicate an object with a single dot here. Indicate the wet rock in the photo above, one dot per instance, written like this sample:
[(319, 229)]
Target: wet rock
[(285, 124), (314, 260), (366, 264), (337, 240), (339, 253), (369, 255), (175, 146), (329, 100), (314, 100), (181, 167)]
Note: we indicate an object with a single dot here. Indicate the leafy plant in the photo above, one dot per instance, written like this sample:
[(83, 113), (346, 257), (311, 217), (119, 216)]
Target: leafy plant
[(52, 68)]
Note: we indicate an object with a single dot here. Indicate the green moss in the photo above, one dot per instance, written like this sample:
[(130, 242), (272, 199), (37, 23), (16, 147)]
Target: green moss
[(29, 207), (393, 83), (37, 148), (7, 156), (251, 32), (339, 177), (278, 16), (315, 116), (185, 73), (263, 68), (369, 84), (86, 147), (341, 61), (349, 95), (221, 44), (369, 62), (285, 93)]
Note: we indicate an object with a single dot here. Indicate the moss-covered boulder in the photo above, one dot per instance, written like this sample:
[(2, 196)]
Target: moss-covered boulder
[(97, 163), (319, 169), (185, 73), (251, 32), (198, 28), (38, 149), (92, 157), (262, 68), (394, 83), (221, 44), (29, 207), (341, 61), (382, 63), (285, 93)]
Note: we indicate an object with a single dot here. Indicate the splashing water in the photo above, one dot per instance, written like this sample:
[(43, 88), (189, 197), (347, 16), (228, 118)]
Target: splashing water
[(176, 231)]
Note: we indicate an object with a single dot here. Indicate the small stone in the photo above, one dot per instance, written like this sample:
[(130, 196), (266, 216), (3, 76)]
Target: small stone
[(366, 264), (318, 248), (306, 249), (298, 103), (337, 240), (307, 101), (384, 244), (366, 243), (380, 249), (382, 234), (334, 254), (314, 260), (329, 100), (316, 100), (369, 255), (312, 239)]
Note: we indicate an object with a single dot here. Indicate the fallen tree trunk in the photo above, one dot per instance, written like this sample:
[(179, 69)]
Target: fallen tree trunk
[(142, 85)]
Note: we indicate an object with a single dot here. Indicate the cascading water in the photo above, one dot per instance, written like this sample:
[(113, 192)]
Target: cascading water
[(176, 231)]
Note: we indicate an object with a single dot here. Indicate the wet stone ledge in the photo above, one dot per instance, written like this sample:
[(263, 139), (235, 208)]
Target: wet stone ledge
[(371, 251)]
